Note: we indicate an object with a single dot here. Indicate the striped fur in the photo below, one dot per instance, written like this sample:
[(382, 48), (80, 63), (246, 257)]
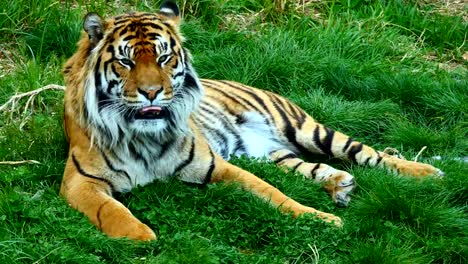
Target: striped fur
[(135, 112)]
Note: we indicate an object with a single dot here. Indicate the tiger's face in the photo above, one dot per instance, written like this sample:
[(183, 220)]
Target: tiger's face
[(140, 78)]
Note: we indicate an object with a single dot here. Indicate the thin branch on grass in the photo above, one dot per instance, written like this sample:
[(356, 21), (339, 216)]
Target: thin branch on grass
[(394, 152), (419, 153), (31, 94), (21, 162)]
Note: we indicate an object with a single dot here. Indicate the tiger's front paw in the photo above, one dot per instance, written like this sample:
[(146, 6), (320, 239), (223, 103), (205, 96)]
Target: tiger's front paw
[(116, 220), (134, 231), (332, 219), (326, 217)]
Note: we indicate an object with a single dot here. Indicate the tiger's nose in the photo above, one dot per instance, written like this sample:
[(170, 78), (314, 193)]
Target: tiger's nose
[(151, 93)]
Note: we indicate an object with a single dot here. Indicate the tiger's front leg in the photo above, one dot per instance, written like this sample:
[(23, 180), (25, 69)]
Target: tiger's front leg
[(93, 197), (224, 171)]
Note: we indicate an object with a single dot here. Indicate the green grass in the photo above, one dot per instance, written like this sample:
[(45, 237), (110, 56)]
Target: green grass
[(366, 68)]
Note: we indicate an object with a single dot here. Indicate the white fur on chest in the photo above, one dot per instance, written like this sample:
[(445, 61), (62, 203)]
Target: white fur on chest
[(148, 167)]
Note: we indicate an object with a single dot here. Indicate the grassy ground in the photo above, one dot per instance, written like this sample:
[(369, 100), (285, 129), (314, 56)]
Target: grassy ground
[(390, 73)]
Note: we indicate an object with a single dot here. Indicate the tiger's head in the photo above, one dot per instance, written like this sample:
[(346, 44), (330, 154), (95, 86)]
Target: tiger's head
[(137, 77)]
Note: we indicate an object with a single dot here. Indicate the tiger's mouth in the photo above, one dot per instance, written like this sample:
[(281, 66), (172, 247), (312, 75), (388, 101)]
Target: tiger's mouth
[(151, 112)]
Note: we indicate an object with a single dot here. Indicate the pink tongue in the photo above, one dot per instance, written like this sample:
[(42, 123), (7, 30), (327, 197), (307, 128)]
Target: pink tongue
[(156, 109)]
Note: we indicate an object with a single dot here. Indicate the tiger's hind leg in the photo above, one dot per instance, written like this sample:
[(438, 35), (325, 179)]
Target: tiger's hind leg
[(317, 138), (338, 183), (306, 135)]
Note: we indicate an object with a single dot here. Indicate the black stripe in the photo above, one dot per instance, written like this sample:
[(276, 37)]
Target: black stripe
[(153, 35), (123, 32), (247, 91), (367, 161), (379, 158), (136, 155), (240, 147), (165, 147), (299, 114), (225, 107), (217, 135), (221, 116), (234, 99), (121, 51), (176, 64), (245, 100), (151, 25), (112, 84), (83, 173), (273, 151), (118, 22), (177, 75), (326, 145), (289, 130), (190, 82), (289, 108), (102, 97), (209, 173), (67, 69), (98, 214), (173, 42), (115, 156), (129, 37), (114, 169), (348, 142), (314, 170), (189, 159), (114, 70), (297, 165), (97, 74), (287, 156), (111, 50), (353, 151)]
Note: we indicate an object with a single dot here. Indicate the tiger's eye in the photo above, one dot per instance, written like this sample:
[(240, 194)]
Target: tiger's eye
[(162, 59), (126, 62)]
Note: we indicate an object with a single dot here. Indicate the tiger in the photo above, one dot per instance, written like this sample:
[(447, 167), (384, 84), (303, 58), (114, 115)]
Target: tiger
[(136, 112)]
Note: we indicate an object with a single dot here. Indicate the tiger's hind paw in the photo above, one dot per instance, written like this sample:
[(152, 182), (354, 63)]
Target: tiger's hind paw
[(417, 169)]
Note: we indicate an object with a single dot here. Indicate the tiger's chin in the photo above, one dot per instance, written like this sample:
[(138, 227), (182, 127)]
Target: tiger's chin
[(148, 125)]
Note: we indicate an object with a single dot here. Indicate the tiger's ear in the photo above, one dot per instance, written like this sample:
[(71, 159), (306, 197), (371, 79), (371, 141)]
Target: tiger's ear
[(170, 10), (94, 26)]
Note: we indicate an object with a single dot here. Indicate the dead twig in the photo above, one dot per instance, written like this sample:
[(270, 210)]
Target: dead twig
[(31, 94), (419, 153), (21, 162), (394, 152)]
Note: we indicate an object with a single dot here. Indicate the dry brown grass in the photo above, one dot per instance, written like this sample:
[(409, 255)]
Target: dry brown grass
[(449, 7)]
